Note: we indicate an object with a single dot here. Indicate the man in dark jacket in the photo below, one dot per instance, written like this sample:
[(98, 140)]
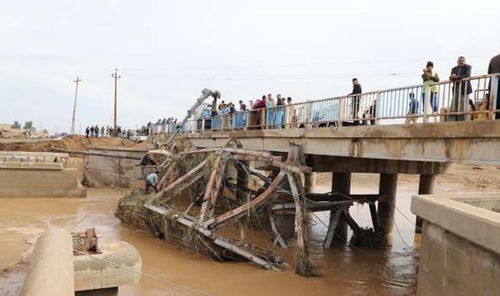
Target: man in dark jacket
[(493, 68), (356, 89), (461, 90)]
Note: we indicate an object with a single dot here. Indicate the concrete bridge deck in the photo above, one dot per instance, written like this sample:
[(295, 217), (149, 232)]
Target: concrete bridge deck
[(472, 142)]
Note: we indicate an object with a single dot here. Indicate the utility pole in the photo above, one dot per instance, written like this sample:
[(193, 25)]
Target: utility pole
[(116, 77), (77, 81)]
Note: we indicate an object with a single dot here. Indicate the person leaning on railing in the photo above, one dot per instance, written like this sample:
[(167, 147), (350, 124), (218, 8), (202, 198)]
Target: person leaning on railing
[(494, 68), (461, 90)]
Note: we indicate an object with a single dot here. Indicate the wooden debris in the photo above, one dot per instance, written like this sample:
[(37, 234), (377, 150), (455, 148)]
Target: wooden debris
[(222, 201)]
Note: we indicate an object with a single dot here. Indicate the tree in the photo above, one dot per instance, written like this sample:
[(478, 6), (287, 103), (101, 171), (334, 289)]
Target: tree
[(16, 124), (28, 125)]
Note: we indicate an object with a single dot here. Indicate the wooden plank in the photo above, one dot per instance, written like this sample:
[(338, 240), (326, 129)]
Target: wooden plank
[(208, 190), (261, 156), (350, 221), (316, 206), (221, 169), (375, 220), (194, 170), (277, 235), (332, 225), (218, 241), (299, 215), (217, 222)]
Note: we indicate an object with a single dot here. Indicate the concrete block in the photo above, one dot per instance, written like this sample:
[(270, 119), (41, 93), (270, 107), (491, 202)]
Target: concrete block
[(118, 264), (51, 266)]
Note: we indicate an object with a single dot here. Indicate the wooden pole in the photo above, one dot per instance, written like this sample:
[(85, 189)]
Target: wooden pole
[(208, 190), (77, 82), (115, 77)]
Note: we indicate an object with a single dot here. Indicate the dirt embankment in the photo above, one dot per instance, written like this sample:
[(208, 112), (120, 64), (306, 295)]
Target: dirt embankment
[(70, 142)]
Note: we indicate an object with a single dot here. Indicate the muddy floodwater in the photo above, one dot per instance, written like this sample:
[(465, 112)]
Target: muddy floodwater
[(346, 270)]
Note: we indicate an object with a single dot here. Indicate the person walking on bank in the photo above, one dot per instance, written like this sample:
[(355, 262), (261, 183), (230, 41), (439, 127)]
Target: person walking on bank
[(494, 68), (91, 131), (430, 78), (461, 90), (356, 89), (151, 181), (87, 131), (96, 129)]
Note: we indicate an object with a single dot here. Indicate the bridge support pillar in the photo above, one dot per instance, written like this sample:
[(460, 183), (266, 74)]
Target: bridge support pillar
[(425, 186), (341, 183), (387, 201)]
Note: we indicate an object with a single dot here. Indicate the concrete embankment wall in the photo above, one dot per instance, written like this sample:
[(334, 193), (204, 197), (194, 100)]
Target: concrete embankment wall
[(38, 174), (115, 171), (51, 266), (453, 266), (460, 251)]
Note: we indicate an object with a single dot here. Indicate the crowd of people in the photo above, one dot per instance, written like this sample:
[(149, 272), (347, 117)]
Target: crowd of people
[(165, 125), (461, 102), (267, 110), (270, 112), (94, 131)]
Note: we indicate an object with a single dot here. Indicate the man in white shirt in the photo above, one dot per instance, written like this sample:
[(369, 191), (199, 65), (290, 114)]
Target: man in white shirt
[(151, 181)]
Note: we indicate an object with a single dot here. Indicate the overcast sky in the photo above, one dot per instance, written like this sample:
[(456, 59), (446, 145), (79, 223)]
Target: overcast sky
[(168, 51)]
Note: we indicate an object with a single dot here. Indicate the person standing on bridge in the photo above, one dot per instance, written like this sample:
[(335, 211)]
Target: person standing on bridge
[(461, 90), (356, 89), (430, 78), (494, 68), (270, 111)]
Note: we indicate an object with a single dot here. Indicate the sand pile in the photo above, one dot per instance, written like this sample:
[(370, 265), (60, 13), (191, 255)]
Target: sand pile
[(70, 142)]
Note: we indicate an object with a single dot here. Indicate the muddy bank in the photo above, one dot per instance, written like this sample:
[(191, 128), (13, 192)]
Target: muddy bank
[(73, 142)]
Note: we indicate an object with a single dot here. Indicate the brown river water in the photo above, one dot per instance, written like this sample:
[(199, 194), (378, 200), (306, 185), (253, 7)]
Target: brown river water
[(346, 270)]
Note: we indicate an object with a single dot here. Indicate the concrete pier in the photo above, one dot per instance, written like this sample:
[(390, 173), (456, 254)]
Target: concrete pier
[(341, 183), (51, 267), (387, 201), (425, 186)]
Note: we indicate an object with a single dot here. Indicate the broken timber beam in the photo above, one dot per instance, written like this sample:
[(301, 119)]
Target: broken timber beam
[(216, 240), (217, 222), (170, 186)]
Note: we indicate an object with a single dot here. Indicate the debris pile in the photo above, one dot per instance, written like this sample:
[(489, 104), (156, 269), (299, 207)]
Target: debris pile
[(203, 192)]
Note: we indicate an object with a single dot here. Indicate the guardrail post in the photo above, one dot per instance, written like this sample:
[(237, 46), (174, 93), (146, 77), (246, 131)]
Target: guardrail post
[(494, 97), (427, 103)]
